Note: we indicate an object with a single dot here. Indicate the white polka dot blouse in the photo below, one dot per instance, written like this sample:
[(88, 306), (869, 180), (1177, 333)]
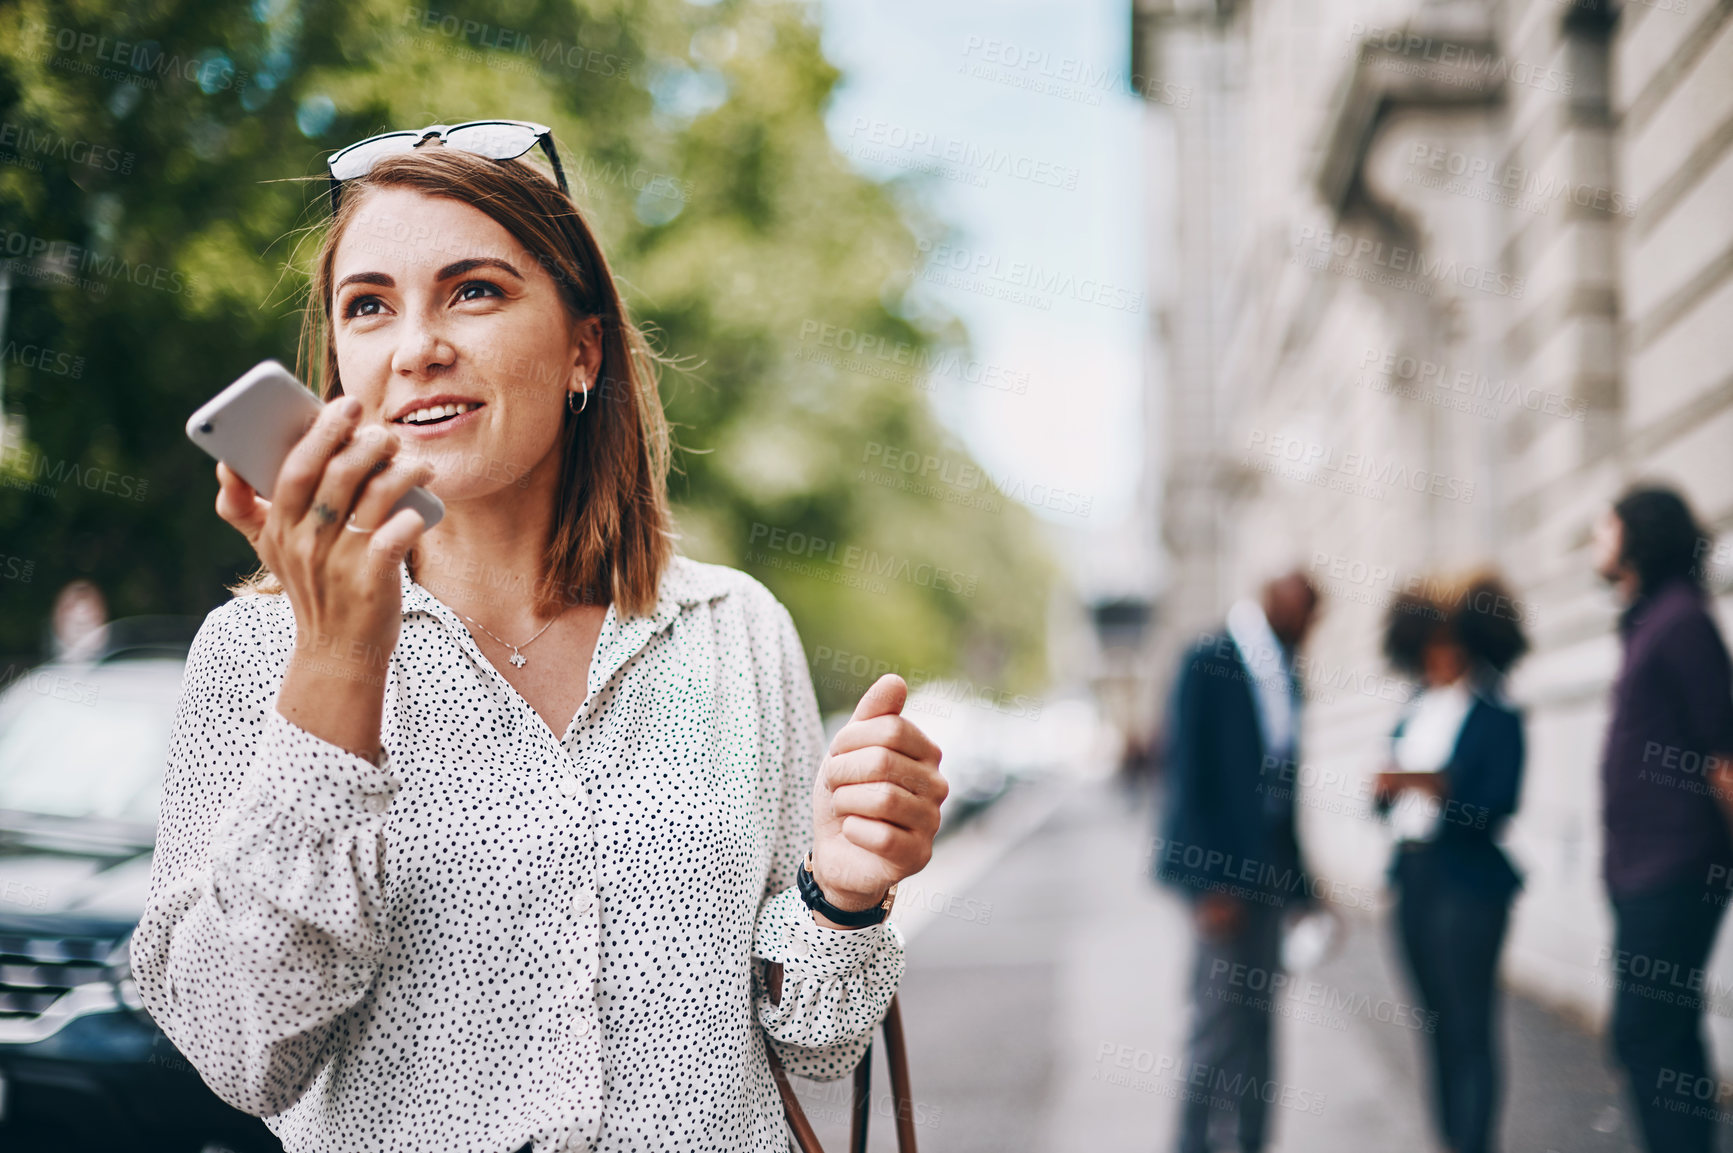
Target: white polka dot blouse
[(499, 935)]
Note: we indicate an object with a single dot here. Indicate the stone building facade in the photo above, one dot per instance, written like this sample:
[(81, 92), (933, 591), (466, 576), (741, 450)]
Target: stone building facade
[(1431, 282)]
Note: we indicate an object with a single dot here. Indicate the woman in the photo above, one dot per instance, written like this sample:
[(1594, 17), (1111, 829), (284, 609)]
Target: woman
[(1457, 758), (485, 836)]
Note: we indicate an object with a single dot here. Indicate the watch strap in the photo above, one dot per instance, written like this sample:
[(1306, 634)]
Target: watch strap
[(856, 919)]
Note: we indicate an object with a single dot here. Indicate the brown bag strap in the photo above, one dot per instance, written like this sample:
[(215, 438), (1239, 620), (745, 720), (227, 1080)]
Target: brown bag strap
[(896, 1056)]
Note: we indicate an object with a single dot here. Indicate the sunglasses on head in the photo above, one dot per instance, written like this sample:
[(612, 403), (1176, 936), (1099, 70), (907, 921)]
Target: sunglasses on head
[(494, 139)]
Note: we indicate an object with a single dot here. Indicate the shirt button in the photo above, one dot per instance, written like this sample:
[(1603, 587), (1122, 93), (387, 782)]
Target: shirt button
[(583, 1027), (582, 902), (569, 785), (799, 948)]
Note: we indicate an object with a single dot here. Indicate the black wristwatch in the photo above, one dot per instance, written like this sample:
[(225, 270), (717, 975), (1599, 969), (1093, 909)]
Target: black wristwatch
[(814, 898)]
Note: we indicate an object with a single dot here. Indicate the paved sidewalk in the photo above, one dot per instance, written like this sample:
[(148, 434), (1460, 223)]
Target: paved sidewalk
[(1041, 959)]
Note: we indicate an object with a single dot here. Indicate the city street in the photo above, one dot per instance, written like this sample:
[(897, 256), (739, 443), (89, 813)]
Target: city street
[(1320, 409), (1033, 981)]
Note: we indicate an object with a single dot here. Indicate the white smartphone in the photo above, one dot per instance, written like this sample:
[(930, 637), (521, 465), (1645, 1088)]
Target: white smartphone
[(252, 424)]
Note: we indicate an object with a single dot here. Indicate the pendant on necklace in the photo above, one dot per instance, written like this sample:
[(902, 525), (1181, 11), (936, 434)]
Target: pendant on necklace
[(518, 659)]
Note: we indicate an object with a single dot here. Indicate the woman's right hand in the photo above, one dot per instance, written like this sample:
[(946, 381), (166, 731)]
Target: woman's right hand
[(1391, 783), (342, 583), (1218, 915)]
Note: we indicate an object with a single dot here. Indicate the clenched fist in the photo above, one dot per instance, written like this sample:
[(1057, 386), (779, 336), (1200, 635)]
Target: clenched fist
[(875, 804)]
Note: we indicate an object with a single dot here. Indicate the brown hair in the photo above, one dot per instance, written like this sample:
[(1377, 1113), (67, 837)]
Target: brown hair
[(1410, 624), (1487, 621), (1475, 611), (612, 536)]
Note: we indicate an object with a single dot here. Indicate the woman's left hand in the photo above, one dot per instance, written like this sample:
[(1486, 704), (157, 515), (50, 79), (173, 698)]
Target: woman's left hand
[(875, 804), (1387, 785)]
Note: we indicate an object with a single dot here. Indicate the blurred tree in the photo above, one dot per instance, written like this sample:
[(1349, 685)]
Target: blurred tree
[(156, 240)]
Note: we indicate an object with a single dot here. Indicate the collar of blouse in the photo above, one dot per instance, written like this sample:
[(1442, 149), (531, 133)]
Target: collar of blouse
[(684, 584)]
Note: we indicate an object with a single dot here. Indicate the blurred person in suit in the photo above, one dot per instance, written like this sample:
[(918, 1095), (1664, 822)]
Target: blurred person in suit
[(1453, 779), (1227, 841), (1665, 797)]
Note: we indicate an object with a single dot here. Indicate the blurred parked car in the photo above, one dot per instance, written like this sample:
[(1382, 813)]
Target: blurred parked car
[(82, 751)]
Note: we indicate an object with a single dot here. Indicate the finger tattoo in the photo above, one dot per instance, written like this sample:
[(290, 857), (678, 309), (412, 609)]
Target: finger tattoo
[(326, 514)]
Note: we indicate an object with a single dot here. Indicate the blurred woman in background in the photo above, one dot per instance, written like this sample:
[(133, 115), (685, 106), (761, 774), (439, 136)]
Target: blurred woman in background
[(1453, 779)]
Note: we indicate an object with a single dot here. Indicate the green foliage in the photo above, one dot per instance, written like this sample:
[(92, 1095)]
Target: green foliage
[(152, 196)]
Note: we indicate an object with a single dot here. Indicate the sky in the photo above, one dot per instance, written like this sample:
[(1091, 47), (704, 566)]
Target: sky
[(1016, 118)]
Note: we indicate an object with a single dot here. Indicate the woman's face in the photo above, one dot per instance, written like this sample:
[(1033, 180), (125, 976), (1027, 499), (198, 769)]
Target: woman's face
[(456, 338), (1444, 661)]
